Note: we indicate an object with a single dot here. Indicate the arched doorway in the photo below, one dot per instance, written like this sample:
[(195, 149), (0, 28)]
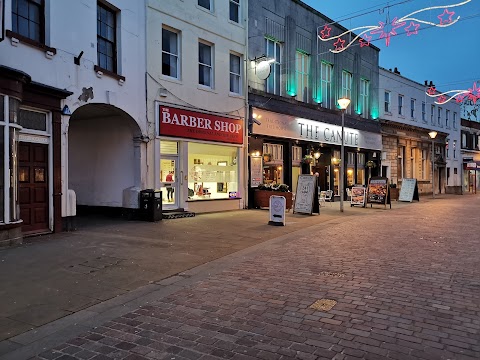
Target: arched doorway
[(104, 155)]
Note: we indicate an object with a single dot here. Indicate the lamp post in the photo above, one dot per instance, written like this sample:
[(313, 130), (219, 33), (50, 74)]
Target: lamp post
[(343, 104), (432, 135)]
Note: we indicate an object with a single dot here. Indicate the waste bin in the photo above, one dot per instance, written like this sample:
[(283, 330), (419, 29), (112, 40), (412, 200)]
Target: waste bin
[(150, 205)]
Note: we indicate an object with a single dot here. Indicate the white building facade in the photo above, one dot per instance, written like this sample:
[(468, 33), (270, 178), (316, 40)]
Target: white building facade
[(72, 88), (407, 116), (196, 103)]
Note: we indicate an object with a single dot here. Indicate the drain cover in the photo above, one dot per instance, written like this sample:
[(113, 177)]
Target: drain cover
[(323, 304)]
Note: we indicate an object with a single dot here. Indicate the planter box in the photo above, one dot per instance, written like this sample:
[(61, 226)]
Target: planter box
[(262, 198)]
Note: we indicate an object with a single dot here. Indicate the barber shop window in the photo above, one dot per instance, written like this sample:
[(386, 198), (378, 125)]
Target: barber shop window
[(28, 19)]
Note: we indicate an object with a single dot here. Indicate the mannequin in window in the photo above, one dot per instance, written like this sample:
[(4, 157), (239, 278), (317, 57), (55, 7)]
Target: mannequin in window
[(170, 189)]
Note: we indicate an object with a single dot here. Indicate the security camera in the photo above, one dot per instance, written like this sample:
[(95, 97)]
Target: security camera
[(256, 121)]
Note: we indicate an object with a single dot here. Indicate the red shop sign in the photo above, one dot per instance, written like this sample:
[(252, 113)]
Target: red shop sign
[(194, 125)]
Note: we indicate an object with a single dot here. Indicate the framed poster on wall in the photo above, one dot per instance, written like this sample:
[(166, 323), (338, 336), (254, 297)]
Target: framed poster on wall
[(256, 171)]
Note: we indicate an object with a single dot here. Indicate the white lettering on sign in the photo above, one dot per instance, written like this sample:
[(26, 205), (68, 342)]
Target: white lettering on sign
[(200, 123)]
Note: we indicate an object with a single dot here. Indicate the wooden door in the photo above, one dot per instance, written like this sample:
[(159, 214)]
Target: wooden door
[(33, 186)]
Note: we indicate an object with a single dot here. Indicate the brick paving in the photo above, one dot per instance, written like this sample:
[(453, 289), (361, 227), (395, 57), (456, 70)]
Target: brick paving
[(406, 283)]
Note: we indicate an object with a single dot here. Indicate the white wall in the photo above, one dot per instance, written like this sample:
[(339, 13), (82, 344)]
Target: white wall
[(399, 85)]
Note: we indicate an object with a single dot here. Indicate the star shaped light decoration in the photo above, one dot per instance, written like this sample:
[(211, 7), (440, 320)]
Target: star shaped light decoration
[(365, 40), (442, 99), (326, 31), (386, 30), (447, 20), (472, 94), (339, 44), (431, 90), (412, 29)]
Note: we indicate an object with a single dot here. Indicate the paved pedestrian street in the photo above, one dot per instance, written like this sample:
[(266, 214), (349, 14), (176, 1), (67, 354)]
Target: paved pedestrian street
[(400, 284)]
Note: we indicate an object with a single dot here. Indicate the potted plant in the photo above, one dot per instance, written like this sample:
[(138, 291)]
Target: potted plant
[(267, 157), (307, 159), (370, 164), (264, 191)]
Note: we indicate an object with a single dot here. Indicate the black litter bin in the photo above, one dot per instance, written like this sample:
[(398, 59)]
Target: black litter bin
[(151, 205)]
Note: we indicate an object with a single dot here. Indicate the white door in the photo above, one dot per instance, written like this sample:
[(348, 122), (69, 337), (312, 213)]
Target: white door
[(169, 180)]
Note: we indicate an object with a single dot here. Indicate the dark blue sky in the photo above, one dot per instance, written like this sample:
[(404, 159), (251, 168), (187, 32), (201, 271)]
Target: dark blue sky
[(450, 56)]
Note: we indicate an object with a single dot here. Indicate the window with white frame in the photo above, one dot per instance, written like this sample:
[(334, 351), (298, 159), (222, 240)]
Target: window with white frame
[(106, 37), (432, 114), (235, 10), (28, 19), (455, 120), (302, 63), (424, 111), (464, 140), (446, 149), (32, 120), (447, 119), (235, 74), (347, 88), (326, 84), (170, 53), (401, 162), (205, 64), (387, 102), (207, 4), (424, 163), (439, 116), (364, 97), (273, 51), (400, 105), (413, 104), (454, 149)]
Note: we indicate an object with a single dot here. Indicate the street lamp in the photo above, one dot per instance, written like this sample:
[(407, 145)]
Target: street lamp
[(343, 104), (432, 135)]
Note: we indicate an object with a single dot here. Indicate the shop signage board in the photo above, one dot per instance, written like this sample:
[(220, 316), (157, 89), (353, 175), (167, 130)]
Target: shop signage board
[(378, 191), (358, 196), (256, 171), (183, 123), (306, 197), (277, 207), (409, 190), (291, 127)]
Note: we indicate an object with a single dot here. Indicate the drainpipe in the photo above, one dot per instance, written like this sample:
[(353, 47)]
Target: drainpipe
[(247, 113)]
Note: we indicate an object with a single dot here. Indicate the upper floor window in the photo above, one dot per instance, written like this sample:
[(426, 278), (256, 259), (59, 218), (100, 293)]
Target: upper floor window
[(106, 38), (413, 104), (301, 62), (205, 64), (432, 114), (424, 111), (455, 120), (447, 119), (364, 97), (464, 140), (439, 116), (170, 53), (347, 88), (235, 10), (28, 19), (235, 74), (387, 102), (273, 51), (207, 4), (400, 105), (326, 84)]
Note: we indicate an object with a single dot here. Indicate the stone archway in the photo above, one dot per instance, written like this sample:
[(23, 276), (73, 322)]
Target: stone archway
[(104, 155)]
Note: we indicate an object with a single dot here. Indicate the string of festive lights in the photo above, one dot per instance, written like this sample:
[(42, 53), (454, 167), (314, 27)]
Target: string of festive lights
[(472, 94), (386, 30)]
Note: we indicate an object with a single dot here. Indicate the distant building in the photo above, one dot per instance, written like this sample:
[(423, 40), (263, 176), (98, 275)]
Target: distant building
[(294, 84), (407, 116), (470, 145)]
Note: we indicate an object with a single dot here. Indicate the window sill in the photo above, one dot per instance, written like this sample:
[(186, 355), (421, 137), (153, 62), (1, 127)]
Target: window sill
[(10, 34), (206, 88), (171, 79), (109, 73), (236, 95)]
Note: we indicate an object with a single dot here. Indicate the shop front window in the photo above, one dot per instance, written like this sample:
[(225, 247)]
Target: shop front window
[(212, 172), (360, 169), (272, 163)]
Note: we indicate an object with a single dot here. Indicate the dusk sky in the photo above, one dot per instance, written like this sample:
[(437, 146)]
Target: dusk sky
[(450, 56)]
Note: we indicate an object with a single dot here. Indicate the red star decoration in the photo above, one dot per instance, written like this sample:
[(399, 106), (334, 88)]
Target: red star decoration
[(448, 19), (384, 33), (459, 98), (474, 93), (339, 44), (326, 31), (413, 26), (431, 90), (441, 99), (365, 41)]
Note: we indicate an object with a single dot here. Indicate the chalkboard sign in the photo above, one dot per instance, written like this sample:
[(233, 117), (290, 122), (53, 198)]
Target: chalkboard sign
[(256, 171), (358, 196), (306, 197), (378, 191), (409, 190)]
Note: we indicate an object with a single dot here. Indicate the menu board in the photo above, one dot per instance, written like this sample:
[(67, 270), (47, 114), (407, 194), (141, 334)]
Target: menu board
[(358, 195), (306, 193), (377, 192), (256, 171), (409, 190)]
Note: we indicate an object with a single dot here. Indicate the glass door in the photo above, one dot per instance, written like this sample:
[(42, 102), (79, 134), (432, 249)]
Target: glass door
[(169, 178)]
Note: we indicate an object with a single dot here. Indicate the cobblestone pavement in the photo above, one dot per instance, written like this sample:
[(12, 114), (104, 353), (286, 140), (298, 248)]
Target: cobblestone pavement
[(406, 286)]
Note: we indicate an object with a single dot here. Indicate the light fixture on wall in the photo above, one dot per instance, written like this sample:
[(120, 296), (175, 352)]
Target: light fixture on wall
[(66, 111), (317, 155)]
